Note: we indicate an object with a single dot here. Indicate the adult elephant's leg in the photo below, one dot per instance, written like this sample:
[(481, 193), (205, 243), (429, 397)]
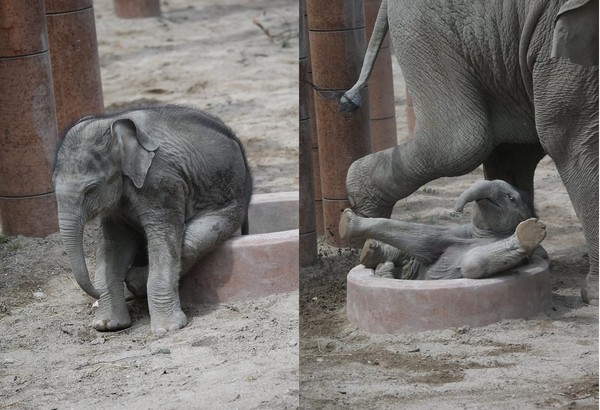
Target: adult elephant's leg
[(204, 232), (116, 250), (515, 164), (452, 137), (566, 104)]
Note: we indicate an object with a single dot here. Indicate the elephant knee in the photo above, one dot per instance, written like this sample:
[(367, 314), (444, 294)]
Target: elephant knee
[(472, 266)]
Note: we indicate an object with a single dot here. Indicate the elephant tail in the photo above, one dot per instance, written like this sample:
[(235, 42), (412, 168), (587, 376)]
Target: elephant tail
[(350, 101)]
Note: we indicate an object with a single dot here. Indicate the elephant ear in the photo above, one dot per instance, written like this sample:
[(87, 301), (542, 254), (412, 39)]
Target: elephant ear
[(576, 32), (138, 150)]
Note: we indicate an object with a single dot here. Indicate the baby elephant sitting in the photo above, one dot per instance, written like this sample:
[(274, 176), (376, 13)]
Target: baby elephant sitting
[(501, 235)]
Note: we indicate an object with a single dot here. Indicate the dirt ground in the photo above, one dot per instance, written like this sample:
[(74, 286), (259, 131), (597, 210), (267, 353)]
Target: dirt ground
[(214, 55), (548, 361)]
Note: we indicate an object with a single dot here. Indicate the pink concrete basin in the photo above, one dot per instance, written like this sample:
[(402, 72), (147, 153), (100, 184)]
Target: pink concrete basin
[(386, 306), (259, 264)]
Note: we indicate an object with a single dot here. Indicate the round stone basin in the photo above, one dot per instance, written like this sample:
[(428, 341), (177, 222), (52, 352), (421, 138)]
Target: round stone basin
[(259, 264), (387, 306)]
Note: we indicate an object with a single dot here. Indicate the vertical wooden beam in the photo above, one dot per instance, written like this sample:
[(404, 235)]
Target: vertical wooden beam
[(28, 135), (75, 62), (337, 45), (308, 230)]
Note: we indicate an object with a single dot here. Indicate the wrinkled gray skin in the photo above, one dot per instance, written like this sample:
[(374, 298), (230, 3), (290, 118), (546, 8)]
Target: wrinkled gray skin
[(502, 234), (499, 83), (168, 183)]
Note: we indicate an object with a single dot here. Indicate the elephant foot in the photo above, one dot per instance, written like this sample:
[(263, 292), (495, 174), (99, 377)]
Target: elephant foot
[(347, 222), (385, 270), (161, 324), (530, 234), (374, 252), (110, 317), (589, 291), (136, 280)]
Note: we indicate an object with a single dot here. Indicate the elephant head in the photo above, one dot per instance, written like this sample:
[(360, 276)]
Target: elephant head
[(499, 207), (94, 158)]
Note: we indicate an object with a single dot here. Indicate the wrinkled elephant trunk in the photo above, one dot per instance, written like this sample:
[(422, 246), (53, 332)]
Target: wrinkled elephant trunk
[(479, 190), (71, 230)]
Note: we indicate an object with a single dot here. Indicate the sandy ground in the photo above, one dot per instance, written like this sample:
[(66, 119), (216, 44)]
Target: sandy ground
[(548, 361), (213, 55)]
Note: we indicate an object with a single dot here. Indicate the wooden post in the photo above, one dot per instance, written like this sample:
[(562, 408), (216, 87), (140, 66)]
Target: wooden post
[(29, 135), (337, 45), (131, 9), (75, 61), (381, 88), (308, 231)]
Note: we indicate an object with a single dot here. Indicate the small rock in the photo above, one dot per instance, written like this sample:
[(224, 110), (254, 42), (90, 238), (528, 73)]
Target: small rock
[(98, 341), (9, 361), (39, 295), (414, 350), (292, 343), (95, 305), (319, 359), (463, 329)]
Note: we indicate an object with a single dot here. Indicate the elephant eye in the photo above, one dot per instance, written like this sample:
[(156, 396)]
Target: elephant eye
[(91, 189), (511, 198)]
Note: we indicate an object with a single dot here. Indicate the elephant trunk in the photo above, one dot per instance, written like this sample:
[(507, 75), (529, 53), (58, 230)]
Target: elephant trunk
[(479, 190), (71, 230)]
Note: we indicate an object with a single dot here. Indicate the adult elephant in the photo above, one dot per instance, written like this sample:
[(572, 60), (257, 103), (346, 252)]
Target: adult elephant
[(494, 82)]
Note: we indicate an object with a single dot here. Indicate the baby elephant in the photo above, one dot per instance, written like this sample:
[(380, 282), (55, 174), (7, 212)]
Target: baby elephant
[(169, 184), (502, 234)]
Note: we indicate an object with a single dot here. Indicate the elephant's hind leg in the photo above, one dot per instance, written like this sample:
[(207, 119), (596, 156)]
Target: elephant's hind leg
[(205, 232)]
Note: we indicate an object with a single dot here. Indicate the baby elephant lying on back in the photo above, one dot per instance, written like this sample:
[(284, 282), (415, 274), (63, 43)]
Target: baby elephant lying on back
[(501, 235), (168, 183)]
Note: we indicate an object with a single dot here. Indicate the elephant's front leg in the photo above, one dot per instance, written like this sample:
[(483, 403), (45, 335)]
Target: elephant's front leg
[(487, 260), (164, 257), (116, 249)]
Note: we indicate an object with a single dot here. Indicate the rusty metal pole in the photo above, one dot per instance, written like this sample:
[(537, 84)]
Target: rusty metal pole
[(337, 45), (131, 9), (75, 61), (308, 230), (28, 135), (381, 88)]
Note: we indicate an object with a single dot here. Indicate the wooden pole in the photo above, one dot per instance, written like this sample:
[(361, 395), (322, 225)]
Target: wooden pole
[(337, 45), (27, 113), (308, 230), (131, 9), (75, 61)]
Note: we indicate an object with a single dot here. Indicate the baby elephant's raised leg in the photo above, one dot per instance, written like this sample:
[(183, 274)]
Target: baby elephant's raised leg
[(487, 260), (423, 242)]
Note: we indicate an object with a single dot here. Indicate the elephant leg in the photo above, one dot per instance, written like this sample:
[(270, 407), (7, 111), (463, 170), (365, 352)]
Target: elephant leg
[(137, 275), (566, 101), (116, 250), (487, 260), (515, 164), (205, 232), (422, 242), (164, 257), (452, 137)]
